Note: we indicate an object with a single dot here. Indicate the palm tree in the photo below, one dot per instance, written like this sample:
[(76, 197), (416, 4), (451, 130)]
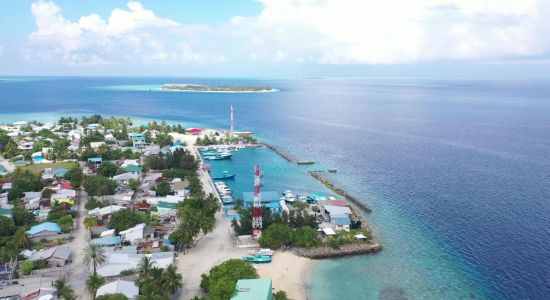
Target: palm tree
[(90, 223), (145, 265), (63, 290), (171, 280), (94, 255), (21, 239), (93, 283)]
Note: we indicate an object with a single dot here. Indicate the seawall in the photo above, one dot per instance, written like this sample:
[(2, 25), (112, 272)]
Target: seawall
[(344, 250), (329, 184)]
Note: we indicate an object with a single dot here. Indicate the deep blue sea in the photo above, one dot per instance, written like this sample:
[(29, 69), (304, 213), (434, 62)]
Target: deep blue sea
[(457, 172)]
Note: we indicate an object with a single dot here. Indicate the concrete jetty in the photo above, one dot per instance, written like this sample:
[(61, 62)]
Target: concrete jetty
[(329, 184)]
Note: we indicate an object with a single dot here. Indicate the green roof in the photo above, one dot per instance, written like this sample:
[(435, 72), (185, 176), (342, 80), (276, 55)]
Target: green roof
[(162, 204), (253, 289), (133, 168), (5, 212)]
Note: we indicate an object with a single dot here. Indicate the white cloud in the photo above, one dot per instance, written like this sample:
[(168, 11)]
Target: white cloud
[(135, 34), (399, 31), (304, 31)]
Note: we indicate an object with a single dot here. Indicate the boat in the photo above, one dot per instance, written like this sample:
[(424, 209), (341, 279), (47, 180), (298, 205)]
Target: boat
[(227, 199), (263, 252), (218, 156), (225, 176), (257, 259), (289, 196)]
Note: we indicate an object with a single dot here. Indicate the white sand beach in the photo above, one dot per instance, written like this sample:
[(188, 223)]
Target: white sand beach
[(289, 273)]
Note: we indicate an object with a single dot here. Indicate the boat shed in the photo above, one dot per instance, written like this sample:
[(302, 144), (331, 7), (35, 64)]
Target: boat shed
[(253, 289)]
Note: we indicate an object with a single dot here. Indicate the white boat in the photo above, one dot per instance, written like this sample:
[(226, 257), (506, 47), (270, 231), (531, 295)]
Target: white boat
[(289, 196), (263, 251)]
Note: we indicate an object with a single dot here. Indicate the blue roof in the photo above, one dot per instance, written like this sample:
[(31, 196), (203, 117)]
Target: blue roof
[(107, 241), (46, 226), (95, 159), (60, 171), (341, 221)]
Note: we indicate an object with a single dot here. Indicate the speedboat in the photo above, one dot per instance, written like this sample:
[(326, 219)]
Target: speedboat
[(289, 196), (257, 259), (225, 176), (227, 199), (264, 252)]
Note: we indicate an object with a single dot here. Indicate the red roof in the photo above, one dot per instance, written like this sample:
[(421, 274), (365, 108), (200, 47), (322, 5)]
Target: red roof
[(194, 130), (66, 185)]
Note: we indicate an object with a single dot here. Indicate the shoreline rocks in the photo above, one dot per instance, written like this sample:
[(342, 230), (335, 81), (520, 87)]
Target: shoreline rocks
[(323, 252)]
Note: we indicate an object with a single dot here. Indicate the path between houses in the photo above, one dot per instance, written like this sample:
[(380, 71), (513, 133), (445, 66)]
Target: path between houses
[(78, 272)]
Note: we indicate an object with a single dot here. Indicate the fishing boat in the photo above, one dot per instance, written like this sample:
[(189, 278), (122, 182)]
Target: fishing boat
[(225, 176), (221, 156), (257, 259)]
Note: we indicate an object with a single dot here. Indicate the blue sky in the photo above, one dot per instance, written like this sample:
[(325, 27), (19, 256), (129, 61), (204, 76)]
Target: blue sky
[(276, 38)]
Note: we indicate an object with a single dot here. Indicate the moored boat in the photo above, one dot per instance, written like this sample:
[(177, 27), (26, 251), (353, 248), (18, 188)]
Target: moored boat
[(225, 176), (257, 259)]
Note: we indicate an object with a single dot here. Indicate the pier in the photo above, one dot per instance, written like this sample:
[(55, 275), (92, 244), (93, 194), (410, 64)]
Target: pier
[(329, 184), (287, 156)]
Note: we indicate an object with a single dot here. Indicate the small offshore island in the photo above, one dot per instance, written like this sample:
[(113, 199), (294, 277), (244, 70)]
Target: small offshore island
[(184, 87), (93, 203)]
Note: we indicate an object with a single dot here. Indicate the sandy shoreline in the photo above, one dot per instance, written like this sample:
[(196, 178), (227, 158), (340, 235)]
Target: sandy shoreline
[(289, 272)]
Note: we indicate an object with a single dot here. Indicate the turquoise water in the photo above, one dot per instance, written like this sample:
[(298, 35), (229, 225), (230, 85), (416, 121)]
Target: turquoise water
[(408, 250), (457, 172)]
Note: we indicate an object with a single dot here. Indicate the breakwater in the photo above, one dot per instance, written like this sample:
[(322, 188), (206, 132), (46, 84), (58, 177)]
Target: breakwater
[(287, 156), (329, 184), (344, 250)]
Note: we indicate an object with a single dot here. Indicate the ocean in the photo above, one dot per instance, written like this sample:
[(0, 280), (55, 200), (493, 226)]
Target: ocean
[(457, 172)]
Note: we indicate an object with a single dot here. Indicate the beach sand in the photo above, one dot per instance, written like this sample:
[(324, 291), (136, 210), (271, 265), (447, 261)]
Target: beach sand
[(289, 272)]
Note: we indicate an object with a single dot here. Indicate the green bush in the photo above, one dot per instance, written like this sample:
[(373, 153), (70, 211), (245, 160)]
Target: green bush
[(26, 267)]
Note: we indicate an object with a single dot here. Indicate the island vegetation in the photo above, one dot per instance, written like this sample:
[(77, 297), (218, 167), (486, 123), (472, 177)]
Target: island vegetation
[(215, 88)]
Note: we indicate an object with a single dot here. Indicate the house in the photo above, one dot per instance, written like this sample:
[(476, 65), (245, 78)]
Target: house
[(60, 172), (126, 288), (107, 233), (3, 171), (117, 262), (125, 178), (32, 200), (253, 289), (134, 169), (5, 212), (96, 145), (56, 256), (95, 127), (180, 187), (105, 213), (44, 229), (6, 186), (95, 160), (330, 211), (48, 173), (341, 222), (25, 145), (194, 131), (138, 140), (133, 235), (108, 241)]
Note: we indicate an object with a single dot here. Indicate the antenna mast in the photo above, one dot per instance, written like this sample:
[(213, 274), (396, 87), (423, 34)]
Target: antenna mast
[(257, 205)]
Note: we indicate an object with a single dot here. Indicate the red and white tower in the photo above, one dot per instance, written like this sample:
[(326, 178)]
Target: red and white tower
[(257, 205)]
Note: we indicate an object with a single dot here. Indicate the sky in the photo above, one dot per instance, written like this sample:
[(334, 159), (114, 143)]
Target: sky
[(277, 38)]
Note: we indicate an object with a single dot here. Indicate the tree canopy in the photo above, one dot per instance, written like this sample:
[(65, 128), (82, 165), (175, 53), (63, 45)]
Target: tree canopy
[(125, 218), (99, 185), (220, 282)]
